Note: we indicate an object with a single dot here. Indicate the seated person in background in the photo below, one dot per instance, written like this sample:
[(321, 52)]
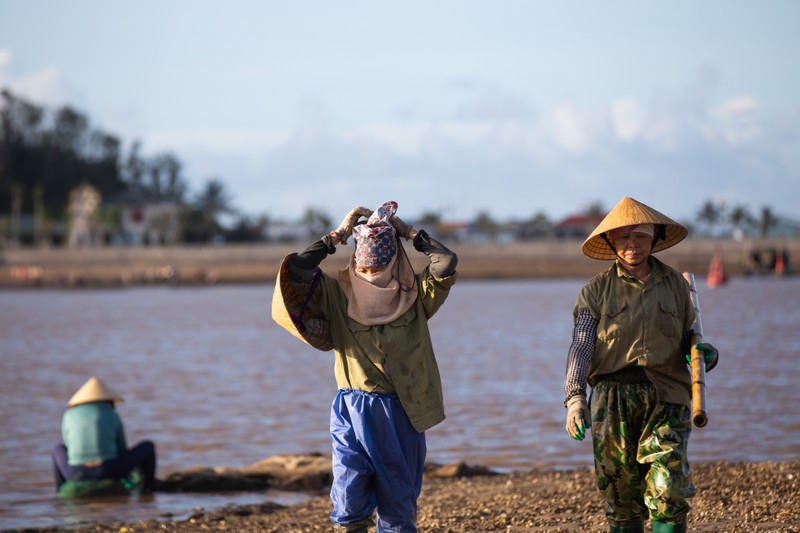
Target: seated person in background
[(94, 445)]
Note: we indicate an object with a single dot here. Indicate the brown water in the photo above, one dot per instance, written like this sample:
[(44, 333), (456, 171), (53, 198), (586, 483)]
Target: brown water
[(213, 381)]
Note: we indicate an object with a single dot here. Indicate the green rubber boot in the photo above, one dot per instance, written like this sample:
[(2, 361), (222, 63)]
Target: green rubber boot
[(663, 527), (633, 528)]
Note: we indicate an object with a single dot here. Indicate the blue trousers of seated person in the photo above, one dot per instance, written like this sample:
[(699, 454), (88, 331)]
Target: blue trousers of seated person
[(141, 456)]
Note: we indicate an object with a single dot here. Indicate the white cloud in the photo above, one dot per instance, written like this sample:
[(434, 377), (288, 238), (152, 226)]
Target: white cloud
[(6, 56), (739, 121), (45, 87), (743, 105), (515, 167), (246, 144), (487, 151), (569, 129), (627, 119)]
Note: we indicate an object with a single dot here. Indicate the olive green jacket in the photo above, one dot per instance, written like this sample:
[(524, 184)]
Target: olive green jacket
[(395, 358), (641, 325)]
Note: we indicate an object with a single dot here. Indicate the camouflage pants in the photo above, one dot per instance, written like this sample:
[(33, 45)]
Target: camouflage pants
[(640, 453)]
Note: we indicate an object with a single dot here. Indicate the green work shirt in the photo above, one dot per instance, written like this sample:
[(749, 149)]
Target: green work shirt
[(641, 325), (395, 358), (92, 432)]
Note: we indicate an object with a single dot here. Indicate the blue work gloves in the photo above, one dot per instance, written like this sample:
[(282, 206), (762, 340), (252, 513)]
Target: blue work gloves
[(710, 354), (578, 417)]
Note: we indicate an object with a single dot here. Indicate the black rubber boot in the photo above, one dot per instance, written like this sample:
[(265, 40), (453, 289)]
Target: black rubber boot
[(633, 528)]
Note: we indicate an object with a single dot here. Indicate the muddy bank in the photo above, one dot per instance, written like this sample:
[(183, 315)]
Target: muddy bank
[(732, 497), (185, 265)]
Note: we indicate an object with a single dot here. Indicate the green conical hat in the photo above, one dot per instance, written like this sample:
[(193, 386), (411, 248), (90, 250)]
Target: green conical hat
[(629, 212)]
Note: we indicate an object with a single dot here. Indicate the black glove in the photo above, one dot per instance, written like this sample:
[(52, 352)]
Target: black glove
[(443, 261)]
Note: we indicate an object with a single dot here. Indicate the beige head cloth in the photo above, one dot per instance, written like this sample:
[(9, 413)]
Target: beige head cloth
[(288, 310), (629, 212), (94, 390)]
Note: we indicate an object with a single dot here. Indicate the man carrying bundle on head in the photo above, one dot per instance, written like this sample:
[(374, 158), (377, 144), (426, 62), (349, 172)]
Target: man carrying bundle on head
[(632, 331), (374, 315)]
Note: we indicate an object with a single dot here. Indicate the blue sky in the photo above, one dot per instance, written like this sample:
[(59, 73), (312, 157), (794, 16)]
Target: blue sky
[(509, 107)]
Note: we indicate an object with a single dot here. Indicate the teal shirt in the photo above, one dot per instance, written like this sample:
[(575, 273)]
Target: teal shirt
[(92, 432)]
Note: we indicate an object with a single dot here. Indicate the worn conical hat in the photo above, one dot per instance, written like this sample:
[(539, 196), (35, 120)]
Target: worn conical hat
[(629, 212), (94, 390), (288, 311)]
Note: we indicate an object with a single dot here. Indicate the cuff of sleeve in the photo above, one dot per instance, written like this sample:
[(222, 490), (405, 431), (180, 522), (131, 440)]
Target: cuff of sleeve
[(328, 241), (569, 399)]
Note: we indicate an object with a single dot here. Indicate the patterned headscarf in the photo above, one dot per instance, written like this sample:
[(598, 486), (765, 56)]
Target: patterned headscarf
[(375, 241)]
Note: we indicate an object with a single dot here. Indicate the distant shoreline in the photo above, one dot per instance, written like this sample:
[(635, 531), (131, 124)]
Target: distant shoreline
[(258, 263)]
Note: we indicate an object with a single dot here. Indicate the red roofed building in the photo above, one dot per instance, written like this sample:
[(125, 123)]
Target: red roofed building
[(577, 226)]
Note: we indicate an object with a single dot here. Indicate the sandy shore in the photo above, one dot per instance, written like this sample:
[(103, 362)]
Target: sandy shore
[(258, 263), (731, 497)]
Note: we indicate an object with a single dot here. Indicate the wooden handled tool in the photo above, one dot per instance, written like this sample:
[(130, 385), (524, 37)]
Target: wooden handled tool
[(699, 413)]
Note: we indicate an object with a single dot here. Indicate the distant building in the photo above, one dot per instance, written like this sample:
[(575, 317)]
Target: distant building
[(453, 231), (577, 226), (139, 221), (82, 208), (283, 232), (151, 223)]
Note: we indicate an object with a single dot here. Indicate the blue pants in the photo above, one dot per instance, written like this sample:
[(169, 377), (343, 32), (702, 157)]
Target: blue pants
[(378, 460), (141, 456)]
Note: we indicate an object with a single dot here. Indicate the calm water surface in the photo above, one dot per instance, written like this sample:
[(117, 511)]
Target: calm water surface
[(213, 381)]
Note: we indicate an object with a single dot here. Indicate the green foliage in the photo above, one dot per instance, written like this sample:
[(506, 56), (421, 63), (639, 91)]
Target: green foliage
[(45, 154)]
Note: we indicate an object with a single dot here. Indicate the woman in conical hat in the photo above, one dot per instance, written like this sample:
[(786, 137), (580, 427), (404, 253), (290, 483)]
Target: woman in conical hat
[(94, 446), (632, 329), (374, 314)]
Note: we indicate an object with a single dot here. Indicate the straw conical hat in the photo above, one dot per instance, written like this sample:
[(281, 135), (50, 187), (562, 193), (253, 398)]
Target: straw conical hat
[(287, 305), (629, 212), (94, 390)]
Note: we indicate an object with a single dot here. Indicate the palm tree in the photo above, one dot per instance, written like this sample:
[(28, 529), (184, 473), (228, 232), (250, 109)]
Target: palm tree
[(210, 203), (536, 227), (485, 224), (767, 221), (710, 214), (740, 218)]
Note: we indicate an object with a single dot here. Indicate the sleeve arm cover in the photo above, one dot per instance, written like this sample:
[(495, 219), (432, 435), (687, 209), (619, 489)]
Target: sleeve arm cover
[(584, 337)]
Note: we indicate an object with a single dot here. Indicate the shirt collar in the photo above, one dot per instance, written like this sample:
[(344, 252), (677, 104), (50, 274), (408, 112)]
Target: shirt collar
[(656, 269)]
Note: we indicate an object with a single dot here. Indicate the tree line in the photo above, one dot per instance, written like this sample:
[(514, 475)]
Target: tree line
[(47, 153)]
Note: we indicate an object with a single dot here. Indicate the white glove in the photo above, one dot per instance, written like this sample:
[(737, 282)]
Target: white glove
[(578, 417), (345, 229)]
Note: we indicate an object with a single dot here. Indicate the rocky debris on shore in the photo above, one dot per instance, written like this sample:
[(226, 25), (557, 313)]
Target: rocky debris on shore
[(732, 497), (303, 472), (292, 472)]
